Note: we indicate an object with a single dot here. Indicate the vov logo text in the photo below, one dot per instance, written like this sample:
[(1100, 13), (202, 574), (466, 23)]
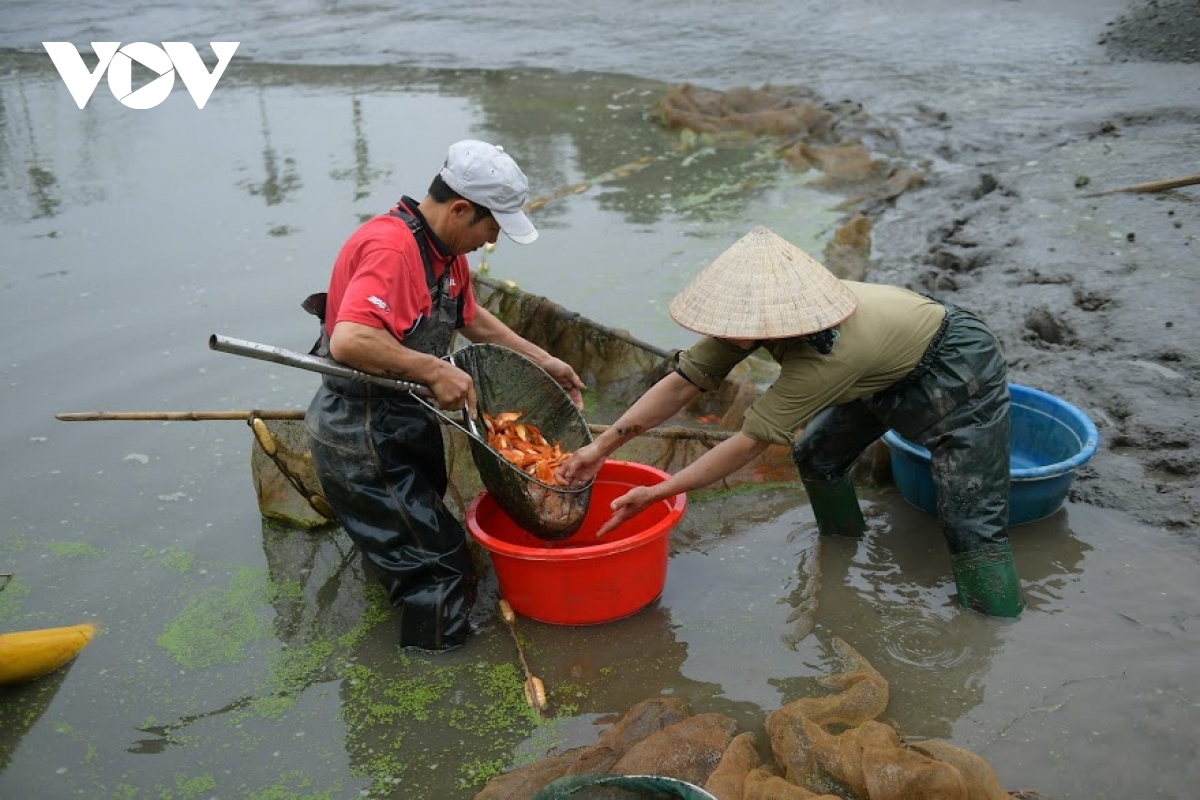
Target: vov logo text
[(172, 57)]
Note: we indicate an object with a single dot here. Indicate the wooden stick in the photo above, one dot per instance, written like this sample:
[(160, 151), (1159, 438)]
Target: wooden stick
[(673, 432), (186, 416), (535, 690), (1152, 186)]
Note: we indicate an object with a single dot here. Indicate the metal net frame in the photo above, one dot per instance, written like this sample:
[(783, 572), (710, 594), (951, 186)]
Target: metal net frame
[(506, 381)]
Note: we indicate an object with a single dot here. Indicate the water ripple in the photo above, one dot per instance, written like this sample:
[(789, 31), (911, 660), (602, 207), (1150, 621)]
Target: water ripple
[(923, 644)]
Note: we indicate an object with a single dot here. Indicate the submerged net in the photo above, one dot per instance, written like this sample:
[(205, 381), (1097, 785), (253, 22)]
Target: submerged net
[(846, 144), (505, 381)]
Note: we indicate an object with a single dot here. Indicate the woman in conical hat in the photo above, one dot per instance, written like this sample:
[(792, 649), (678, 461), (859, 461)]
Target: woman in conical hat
[(855, 360)]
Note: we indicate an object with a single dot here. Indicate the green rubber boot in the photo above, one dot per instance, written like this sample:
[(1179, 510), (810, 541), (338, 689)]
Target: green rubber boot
[(835, 505), (987, 581)]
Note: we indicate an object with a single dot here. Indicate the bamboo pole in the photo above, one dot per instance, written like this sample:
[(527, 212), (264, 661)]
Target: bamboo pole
[(673, 432), (1152, 186), (185, 416)]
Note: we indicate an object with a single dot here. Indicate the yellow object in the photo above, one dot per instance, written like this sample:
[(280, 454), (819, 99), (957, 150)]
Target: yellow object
[(535, 693), (263, 434), (28, 655)]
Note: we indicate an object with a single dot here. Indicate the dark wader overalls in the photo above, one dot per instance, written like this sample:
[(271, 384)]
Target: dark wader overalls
[(379, 457), (955, 403)]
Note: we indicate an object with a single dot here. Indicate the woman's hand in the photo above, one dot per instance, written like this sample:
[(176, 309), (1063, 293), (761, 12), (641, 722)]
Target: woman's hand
[(582, 466), (626, 506)]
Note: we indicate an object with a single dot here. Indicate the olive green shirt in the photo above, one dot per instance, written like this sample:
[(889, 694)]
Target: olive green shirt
[(878, 345)]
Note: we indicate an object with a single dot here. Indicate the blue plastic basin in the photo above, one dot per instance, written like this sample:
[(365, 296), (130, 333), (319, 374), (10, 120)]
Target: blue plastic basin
[(1050, 439)]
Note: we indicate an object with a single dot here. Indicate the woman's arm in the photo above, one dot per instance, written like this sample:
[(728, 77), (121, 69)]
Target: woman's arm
[(662, 401), (720, 462)]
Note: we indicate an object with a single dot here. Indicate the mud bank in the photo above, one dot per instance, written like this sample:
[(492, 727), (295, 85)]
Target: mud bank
[(1094, 296)]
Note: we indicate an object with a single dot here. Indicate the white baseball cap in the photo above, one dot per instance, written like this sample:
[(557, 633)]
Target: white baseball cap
[(483, 173)]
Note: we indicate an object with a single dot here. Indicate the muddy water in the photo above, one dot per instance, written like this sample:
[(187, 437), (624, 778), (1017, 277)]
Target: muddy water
[(238, 660)]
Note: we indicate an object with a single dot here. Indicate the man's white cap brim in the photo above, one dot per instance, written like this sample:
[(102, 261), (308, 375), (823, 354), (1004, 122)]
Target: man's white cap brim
[(516, 226)]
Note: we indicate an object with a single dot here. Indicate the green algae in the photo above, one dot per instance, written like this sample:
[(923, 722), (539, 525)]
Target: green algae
[(13, 592), (402, 699), (189, 788), (12, 544), (479, 771), (701, 495), (292, 669), (173, 558), (216, 627), (294, 786), (483, 703), (403, 715), (273, 706), (73, 550), (378, 610)]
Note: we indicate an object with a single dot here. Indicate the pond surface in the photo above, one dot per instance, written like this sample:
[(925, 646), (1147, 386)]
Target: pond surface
[(236, 659)]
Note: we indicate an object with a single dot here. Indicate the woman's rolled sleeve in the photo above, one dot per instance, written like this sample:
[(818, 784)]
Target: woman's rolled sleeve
[(763, 429), (707, 363)]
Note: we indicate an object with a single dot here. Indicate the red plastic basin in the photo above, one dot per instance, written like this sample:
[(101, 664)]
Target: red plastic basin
[(583, 580)]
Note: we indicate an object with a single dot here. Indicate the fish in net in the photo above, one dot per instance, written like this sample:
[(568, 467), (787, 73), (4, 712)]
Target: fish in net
[(508, 383)]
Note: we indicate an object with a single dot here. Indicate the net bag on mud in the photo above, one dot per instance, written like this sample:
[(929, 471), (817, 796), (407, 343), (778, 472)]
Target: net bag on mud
[(506, 381)]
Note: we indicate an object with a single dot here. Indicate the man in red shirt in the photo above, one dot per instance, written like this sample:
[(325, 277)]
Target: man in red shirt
[(400, 288)]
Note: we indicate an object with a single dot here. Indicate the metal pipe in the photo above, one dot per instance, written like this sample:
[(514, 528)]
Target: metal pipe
[(310, 362), (327, 366)]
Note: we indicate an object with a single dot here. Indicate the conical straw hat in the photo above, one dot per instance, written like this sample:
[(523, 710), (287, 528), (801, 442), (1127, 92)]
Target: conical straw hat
[(763, 287)]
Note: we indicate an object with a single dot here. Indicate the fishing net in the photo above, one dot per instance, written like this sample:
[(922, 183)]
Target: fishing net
[(621, 787), (824, 747), (505, 381), (285, 479), (795, 111), (840, 139)]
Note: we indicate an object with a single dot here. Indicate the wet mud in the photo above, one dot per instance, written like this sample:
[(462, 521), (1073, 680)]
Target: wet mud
[(1160, 30), (1093, 292)]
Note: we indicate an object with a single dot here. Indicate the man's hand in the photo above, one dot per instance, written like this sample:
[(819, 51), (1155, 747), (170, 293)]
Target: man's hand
[(562, 372), (487, 327), (453, 389)]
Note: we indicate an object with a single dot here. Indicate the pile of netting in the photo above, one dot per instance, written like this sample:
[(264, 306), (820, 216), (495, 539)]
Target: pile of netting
[(830, 748), (841, 140), (784, 111)]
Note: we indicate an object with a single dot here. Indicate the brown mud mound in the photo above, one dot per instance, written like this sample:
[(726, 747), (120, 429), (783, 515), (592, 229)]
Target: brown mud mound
[(827, 747)]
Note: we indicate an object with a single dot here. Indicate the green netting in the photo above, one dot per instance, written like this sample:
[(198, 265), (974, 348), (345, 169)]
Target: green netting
[(620, 787), (506, 381)]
